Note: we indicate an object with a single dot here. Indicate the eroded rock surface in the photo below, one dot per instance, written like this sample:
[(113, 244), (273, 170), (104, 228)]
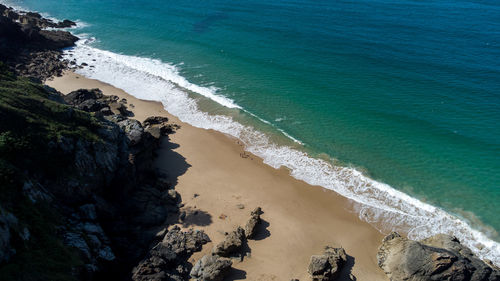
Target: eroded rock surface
[(440, 257), (327, 267), (251, 225), (168, 260), (211, 268), (231, 245), (29, 48)]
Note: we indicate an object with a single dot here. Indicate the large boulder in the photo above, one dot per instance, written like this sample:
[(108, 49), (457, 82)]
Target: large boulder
[(327, 267), (168, 260), (231, 245), (79, 96), (57, 39), (440, 257), (251, 226), (133, 130), (211, 268)]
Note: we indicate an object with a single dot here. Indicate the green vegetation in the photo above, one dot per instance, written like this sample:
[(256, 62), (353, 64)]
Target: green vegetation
[(31, 121), (31, 125)]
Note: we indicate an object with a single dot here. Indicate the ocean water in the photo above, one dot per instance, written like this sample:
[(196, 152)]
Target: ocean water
[(394, 104)]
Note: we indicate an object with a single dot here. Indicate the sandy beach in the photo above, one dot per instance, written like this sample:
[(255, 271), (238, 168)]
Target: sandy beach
[(214, 175)]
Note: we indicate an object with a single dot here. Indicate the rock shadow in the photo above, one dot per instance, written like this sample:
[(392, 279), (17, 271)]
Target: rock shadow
[(346, 272), (170, 164), (194, 217), (262, 232), (236, 274)]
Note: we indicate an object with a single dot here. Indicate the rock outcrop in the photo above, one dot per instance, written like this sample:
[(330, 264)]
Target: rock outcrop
[(327, 267), (168, 260), (211, 268), (34, 19), (251, 225), (440, 257), (231, 245), (8, 226), (28, 47), (77, 180)]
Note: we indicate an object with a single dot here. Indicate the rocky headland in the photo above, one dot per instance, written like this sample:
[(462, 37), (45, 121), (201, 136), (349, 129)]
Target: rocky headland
[(29, 47), (81, 198)]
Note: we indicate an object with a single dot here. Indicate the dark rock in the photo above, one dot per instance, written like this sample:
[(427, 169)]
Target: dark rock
[(231, 245), (66, 24), (168, 260), (158, 126), (155, 120), (57, 39), (82, 95), (211, 268), (8, 224), (327, 267), (440, 257), (252, 223), (88, 212)]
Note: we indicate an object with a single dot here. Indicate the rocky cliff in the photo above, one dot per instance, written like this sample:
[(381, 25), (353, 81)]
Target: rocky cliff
[(28, 47), (78, 189)]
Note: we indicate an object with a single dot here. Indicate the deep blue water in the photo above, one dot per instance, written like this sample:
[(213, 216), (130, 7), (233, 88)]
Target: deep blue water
[(408, 92)]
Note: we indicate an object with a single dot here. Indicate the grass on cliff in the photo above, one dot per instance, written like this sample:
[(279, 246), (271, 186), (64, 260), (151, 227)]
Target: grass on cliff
[(31, 123)]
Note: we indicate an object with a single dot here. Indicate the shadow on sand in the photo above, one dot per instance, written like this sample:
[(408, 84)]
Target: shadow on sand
[(236, 274), (346, 272), (262, 232), (194, 217), (170, 164)]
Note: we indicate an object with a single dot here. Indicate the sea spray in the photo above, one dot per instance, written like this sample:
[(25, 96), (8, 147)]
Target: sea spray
[(377, 203)]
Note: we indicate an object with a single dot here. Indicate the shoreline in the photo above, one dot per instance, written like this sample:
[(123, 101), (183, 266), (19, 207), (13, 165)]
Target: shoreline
[(301, 219), (405, 214)]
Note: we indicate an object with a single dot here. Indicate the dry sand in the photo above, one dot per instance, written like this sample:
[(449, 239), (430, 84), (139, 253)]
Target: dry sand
[(213, 178)]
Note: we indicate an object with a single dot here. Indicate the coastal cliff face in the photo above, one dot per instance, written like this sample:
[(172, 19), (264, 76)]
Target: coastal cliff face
[(79, 194), (79, 198), (28, 47)]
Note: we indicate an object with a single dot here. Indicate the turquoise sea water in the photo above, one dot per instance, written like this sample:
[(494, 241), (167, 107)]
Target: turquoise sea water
[(406, 92)]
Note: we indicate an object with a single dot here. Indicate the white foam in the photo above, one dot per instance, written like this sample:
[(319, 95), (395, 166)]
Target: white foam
[(377, 203)]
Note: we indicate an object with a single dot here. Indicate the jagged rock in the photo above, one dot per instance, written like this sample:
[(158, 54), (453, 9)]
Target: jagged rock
[(327, 267), (158, 126), (8, 223), (76, 98), (65, 24), (88, 212), (440, 257), (211, 268), (231, 245), (155, 120), (168, 260), (36, 192), (29, 48), (252, 223), (133, 130), (76, 240)]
